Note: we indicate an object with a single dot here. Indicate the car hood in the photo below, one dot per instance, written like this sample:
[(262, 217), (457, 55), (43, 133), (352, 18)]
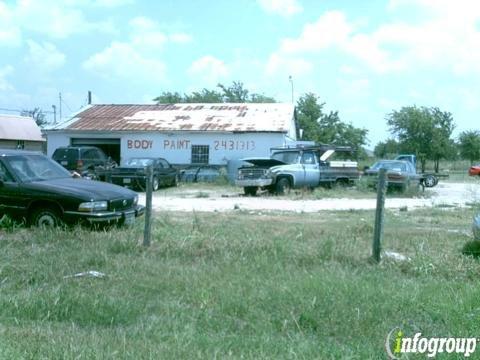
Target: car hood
[(264, 162), (82, 188)]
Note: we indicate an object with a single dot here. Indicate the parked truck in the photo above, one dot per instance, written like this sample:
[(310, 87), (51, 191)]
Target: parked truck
[(296, 168)]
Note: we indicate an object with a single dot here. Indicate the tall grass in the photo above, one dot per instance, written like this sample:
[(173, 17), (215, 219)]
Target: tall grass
[(236, 285)]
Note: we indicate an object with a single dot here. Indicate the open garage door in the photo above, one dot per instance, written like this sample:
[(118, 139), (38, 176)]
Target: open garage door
[(110, 146)]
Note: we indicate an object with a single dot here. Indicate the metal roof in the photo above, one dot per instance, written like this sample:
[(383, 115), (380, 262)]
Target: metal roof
[(19, 128), (249, 117)]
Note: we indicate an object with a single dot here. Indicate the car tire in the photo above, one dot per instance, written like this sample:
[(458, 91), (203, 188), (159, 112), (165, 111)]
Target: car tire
[(250, 190), (430, 181), (155, 184), (283, 186), (45, 217)]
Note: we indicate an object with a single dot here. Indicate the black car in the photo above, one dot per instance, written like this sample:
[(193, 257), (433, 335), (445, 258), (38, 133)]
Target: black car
[(133, 173), (88, 161), (36, 188)]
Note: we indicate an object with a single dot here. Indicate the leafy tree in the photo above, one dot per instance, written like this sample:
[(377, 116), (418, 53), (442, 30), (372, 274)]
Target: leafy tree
[(235, 93), (469, 144), (327, 128), (385, 149), (37, 114), (168, 97), (423, 131), (204, 96)]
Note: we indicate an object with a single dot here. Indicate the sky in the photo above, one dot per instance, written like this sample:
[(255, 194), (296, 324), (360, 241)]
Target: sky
[(363, 59)]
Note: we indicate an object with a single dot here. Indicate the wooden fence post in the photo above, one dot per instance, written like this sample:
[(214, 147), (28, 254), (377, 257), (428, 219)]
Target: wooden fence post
[(379, 214), (148, 207)]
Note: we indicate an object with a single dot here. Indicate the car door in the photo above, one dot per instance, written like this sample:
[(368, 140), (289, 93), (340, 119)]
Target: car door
[(170, 171), (159, 172), (311, 169), (12, 200)]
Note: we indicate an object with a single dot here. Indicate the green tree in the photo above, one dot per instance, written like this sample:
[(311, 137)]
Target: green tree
[(423, 131), (37, 114), (168, 97), (235, 93), (469, 145), (328, 128), (204, 96), (388, 148)]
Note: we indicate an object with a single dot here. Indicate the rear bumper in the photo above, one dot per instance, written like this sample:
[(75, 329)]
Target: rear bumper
[(129, 180), (254, 182), (106, 216)]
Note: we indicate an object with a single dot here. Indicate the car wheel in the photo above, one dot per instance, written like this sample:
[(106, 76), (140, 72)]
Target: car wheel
[(155, 184), (45, 218), (283, 186), (430, 181), (250, 190)]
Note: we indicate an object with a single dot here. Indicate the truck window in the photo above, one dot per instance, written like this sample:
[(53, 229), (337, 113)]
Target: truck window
[(288, 157), (308, 158)]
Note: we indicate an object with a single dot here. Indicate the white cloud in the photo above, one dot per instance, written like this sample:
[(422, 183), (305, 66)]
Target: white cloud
[(10, 34), (112, 3), (54, 19), (354, 87), (4, 72), (445, 35), (281, 7), (123, 61), (180, 38), (209, 69), (146, 33), (45, 57), (331, 29), (281, 64), (138, 57)]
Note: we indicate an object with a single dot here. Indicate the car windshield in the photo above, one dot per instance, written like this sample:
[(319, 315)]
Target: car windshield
[(139, 162), (30, 168), (392, 166), (288, 157)]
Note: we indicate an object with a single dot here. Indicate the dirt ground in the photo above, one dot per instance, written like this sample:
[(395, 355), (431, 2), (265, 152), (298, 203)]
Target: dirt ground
[(224, 199)]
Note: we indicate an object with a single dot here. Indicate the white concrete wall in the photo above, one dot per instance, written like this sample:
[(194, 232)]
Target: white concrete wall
[(55, 140), (176, 147)]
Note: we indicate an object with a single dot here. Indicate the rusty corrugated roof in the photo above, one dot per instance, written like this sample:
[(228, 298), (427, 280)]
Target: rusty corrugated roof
[(19, 128), (176, 117)]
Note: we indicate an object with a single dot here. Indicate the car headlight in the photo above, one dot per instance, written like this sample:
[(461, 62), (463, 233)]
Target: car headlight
[(93, 206)]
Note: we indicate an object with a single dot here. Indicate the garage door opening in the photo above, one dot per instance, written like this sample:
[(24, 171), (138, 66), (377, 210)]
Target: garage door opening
[(111, 147)]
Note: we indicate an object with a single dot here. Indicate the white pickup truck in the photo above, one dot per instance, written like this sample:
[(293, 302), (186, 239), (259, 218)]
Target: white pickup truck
[(296, 168)]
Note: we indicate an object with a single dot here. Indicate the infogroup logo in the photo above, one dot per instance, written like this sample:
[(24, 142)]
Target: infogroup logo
[(397, 344)]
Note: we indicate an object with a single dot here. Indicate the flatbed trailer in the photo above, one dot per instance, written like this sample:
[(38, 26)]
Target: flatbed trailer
[(431, 179)]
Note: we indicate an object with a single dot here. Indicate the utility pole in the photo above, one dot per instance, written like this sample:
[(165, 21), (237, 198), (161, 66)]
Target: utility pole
[(60, 106), (291, 83), (54, 114)]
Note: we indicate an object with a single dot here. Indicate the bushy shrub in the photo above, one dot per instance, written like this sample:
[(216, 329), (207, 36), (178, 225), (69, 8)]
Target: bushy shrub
[(472, 248)]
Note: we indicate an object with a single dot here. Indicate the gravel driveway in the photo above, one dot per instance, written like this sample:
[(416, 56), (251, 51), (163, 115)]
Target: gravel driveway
[(444, 194)]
